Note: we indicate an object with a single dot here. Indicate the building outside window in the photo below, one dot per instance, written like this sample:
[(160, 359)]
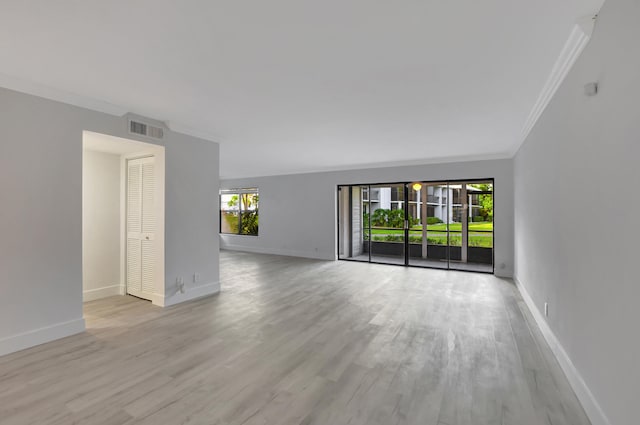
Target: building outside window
[(437, 196)]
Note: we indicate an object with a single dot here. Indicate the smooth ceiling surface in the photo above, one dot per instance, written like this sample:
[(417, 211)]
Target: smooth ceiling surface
[(291, 85)]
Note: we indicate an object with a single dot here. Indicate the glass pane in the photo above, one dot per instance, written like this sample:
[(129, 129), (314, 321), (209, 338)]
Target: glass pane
[(249, 223), (387, 205), (475, 237), (360, 232), (344, 232), (428, 245), (229, 213), (229, 221), (457, 216), (229, 202), (249, 215), (353, 232), (249, 201)]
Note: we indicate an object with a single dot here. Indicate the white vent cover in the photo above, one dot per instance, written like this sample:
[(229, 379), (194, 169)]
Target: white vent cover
[(137, 127)]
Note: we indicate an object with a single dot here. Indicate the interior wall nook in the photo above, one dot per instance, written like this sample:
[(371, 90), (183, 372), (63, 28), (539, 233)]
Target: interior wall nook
[(123, 218)]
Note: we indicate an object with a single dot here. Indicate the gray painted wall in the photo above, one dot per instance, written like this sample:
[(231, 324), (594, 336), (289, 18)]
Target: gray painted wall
[(576, 215), (298, 212), (100, 223), (41, 215)]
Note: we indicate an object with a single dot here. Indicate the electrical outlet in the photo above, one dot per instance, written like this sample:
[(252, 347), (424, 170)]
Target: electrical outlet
[(196, 277), (180, 284), (546, 309)]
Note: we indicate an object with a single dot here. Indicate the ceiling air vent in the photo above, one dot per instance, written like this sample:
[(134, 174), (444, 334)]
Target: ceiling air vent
[(136, 127)]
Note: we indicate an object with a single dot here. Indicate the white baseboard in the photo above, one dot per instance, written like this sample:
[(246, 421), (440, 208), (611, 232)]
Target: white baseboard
[(40, 336), (286, 252), (105, 291), (190, 293), (589, 403)]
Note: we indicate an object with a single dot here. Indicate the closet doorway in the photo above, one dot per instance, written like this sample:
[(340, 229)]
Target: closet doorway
[(123, 218)]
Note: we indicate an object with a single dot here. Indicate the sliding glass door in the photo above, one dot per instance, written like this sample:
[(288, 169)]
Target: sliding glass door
[(472, 226), (353, 223), (387, 217), (428, 217), (447, 225)]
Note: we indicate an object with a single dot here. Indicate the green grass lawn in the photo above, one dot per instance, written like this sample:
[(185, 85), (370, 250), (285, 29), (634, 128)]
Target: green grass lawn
[(479, 234), (480, 226), (454, 227)]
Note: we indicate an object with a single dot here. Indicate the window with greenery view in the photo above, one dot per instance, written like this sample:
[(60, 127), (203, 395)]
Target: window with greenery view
[(239, 211)]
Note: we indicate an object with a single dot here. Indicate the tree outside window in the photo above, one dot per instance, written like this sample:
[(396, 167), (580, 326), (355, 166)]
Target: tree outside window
[(239, 211)]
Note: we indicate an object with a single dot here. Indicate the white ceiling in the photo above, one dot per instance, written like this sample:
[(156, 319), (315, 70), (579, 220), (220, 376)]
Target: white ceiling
[(292, 85)]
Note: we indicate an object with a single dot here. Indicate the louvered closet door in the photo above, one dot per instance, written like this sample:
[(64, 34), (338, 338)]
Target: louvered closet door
[(141, 225)]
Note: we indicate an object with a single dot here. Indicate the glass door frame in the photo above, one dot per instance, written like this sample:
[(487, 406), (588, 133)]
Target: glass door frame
[(406, 185), (405, 230), (425, 185)]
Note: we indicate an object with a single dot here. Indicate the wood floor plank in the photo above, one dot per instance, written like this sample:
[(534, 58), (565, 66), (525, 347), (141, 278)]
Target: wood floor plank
[(293, 341)]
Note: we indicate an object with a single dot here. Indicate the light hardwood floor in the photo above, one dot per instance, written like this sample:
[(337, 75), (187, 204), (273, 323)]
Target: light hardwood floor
[(296, 341)]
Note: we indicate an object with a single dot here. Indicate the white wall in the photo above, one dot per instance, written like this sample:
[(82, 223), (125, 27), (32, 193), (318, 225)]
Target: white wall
[(41, 216), (298, 212), (576, 221), (100, 225)]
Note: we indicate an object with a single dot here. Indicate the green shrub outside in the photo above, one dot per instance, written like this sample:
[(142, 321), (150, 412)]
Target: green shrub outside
[(454, 240), (249, 223), (389, 218)]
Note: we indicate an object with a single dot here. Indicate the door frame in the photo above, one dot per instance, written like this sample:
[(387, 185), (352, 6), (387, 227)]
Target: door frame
[(406, 216), (157, 298)]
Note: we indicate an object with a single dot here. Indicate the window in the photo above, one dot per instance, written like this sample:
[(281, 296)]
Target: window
[(239, 211)]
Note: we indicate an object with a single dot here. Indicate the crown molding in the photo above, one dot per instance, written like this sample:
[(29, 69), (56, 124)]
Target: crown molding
[(40, 90), (69, 98), (578, 39), (374, 165), (190, 131)]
